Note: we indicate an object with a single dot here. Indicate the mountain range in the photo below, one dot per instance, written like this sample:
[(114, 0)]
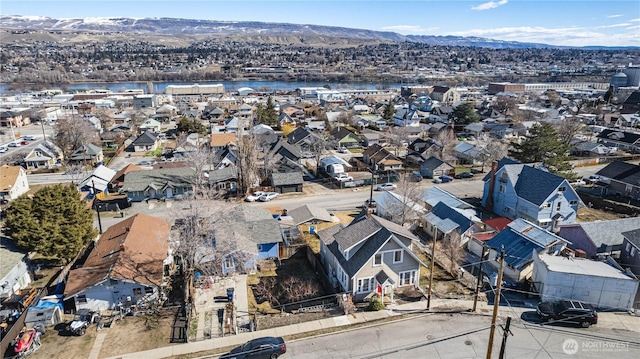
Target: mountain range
[(174, 26)]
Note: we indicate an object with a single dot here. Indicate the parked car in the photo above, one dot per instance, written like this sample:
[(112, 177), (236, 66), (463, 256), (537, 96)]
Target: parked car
[(577, 182), (592, 179), (254, 196), (415, 177), (442, 179), (464, 175), (268, 196), (145, 163), (386, 187), (343, 177), (568, 311), (29, 138), (343, 150), (259, 348), (24, 143), (14, 144), (3, 149)]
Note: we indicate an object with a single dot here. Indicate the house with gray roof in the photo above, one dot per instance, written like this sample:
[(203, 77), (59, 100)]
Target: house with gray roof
[(623, 179), (307, 213), (87, 154), (287, 182), (443, 220), (158, 183), (147, 141), (515, 190), (371, 255), (46, 154), (623, 140), (600, 237), (433, 167), (14, 268), (520, 240)]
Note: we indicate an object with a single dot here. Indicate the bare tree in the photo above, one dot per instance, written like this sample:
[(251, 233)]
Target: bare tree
[(448, 141), (451, 248), (206, 236), (247, 161), (72, 133), (105, 116), (505, 104), (567, 129), (493, 149), (318, 148), (396, 136), (405, 210)]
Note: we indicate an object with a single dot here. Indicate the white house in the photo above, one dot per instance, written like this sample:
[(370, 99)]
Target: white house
[(13, 182), (568, 278)]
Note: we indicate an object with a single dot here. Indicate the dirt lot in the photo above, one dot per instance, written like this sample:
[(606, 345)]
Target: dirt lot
[(128, 335), (592, 214)]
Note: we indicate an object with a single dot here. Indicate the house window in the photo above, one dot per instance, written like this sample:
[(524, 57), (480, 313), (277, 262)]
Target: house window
[(407, 278), (148, 290), (558, 206), (397, 256), (547, 205), (228, 262), (113, 281), (137, 291), (562, 189), (81, 298), (502, 189), (633, 251), (377, 259), (573, 203), (365, 285), (628, 248)]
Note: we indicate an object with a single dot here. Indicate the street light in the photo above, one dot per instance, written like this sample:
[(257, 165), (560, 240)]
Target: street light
[(373, 176)]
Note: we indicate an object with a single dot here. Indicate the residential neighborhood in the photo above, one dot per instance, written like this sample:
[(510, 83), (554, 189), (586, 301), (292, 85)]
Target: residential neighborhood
[(200, 208)]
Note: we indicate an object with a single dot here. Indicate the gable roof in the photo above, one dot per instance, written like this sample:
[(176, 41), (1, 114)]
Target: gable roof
[(633, 236), (8, 177), (145, 139), (86, 152), (620, 136), (297, 135), (435, 195), (307, 213), (535, 185), (158, 178), (256, 224), (286, 178), (133, 249), (222, 139), (622, 171), (609, 232), (434, 162), (118, 178), (448, 219)]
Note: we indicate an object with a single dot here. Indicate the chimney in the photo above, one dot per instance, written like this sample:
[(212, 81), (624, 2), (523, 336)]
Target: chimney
[(492, 183)]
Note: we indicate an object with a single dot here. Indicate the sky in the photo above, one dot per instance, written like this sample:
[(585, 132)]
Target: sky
[(554, 22)]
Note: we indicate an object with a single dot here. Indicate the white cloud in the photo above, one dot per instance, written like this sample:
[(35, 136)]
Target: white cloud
[(489, 5), (635, 20), (613, 16), (624, 24), (409, 29), (567, 36)]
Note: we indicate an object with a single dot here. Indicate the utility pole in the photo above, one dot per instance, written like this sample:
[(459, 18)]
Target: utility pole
[(95, 198), (496, 304), (505, 335), (433, 258), (479, 283)]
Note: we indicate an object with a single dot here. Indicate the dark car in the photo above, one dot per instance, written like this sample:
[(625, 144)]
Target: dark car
[(568, 311), (464, 175), (415, 177), (260, 348)]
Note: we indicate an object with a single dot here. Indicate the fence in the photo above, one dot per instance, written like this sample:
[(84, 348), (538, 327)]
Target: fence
[(323, 277)]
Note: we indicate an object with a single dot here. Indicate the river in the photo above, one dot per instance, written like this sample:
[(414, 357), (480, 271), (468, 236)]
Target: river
[(230, 86)]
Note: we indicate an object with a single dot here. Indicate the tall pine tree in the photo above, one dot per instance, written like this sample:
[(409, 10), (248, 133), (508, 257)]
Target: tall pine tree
[(542, 145), (54, 223)]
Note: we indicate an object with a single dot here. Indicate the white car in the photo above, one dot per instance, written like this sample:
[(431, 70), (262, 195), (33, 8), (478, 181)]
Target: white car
[(268, 196), (3, 149), (14, 144), (254, 196), (386, 187), (343, 177)]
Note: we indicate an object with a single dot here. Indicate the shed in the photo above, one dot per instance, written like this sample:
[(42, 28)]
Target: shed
[(49, 316), (593, 282)]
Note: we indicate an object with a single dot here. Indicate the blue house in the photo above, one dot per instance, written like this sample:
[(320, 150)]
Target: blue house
[(520, 240), (515, 190)]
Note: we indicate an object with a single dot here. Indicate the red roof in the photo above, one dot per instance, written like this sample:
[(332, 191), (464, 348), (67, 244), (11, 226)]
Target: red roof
[(483, 236), (498, 223)]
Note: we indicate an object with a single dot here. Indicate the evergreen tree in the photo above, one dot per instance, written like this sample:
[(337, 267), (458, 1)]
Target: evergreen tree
[(54, 223), (542, 145), (389, 111), (268, 115), (464, 114)]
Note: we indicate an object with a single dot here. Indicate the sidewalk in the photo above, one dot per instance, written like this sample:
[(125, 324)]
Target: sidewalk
[(606, 320)]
